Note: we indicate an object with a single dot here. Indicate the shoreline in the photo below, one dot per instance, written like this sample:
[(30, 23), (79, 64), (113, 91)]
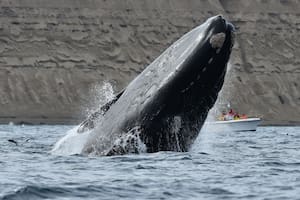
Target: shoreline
[(40, 121), (76, 121)]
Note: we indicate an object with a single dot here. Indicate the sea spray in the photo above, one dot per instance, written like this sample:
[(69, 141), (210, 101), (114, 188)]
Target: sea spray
[(128, 143), (100, 95), (73, 142)]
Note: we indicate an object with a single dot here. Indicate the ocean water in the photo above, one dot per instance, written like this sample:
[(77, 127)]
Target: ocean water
[(244, 165)]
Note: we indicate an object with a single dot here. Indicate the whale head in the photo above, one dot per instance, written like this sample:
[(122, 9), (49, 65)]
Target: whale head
[(198, 59), (183, 85)]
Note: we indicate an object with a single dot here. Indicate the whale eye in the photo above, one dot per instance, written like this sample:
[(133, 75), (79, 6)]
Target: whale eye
[(217, 40)]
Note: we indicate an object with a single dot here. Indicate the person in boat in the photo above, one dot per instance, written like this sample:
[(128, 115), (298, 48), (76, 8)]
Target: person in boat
[(236, 116), (231, 112), (229, 115), (222, 116), (243, 116)]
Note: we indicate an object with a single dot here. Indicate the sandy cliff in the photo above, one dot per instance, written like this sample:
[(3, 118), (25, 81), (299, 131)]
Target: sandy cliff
[(53, 52)]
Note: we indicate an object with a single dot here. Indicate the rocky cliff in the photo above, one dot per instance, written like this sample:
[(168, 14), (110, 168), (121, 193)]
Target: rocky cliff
[(52, 53)]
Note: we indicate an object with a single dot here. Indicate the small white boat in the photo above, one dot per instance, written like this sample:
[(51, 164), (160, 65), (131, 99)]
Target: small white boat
[(249, 124)]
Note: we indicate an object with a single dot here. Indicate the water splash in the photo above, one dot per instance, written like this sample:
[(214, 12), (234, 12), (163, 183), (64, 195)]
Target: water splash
[(100, 95), (128, 143), (175, 129), (73, 142)]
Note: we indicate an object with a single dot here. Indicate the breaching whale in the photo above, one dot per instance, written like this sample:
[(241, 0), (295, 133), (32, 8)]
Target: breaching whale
[(164, 107)]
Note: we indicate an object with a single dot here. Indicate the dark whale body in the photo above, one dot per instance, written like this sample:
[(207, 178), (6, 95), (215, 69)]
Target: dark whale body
[(166, 105)]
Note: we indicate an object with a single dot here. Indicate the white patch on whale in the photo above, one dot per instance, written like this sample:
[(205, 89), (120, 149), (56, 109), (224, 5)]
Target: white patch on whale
[(217, 40)]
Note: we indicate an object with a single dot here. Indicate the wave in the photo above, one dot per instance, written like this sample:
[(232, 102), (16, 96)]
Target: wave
[(37, 192)]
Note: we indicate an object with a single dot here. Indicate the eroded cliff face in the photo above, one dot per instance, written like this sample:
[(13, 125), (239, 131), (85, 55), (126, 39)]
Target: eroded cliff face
[(266, 63), (53, 52)]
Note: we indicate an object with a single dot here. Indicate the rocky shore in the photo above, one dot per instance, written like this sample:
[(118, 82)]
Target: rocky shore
[(53, 53)]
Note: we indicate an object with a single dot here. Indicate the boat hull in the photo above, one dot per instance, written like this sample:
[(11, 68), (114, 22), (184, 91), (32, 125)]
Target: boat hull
[(249, 124)]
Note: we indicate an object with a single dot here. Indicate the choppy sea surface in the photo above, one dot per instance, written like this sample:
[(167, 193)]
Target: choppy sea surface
[(227, 165)]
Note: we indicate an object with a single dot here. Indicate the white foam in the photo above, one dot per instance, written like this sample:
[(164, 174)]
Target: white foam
[(72, 143), (175, 129), (130, 142)]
